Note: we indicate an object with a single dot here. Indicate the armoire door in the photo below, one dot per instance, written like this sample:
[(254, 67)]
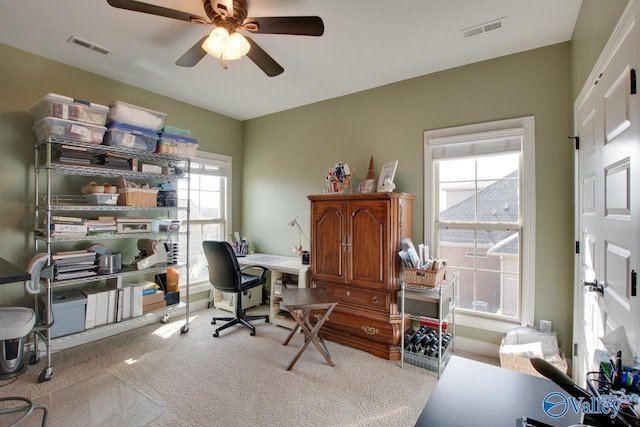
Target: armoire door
[(368, 243), (328, 228)]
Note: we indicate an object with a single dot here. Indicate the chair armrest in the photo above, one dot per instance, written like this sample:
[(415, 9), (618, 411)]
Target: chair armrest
[(262, 273)]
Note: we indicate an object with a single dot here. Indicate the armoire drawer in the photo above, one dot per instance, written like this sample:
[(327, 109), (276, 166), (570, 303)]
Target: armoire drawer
[(369, 328), (366, 299)]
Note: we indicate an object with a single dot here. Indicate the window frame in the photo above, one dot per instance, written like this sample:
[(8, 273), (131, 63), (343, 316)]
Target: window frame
[(226, 165), (487, 131)]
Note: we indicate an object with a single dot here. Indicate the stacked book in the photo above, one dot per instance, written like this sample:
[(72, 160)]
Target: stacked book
[(101, 225), (74, 264), (116, 161), (67, 226), (74, 155)]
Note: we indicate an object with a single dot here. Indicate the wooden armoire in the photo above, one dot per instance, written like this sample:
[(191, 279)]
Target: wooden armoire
[(355, 239)]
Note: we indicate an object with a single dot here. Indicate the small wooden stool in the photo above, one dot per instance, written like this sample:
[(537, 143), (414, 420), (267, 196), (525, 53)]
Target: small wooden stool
[(300, 303)]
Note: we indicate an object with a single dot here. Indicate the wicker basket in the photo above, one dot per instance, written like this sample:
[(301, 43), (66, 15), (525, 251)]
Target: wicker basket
[(519, 363), (137, 197), (428, 278)]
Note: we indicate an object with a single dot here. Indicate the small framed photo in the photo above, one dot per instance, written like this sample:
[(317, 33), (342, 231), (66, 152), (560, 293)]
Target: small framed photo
[(388, 172), (367, 186)]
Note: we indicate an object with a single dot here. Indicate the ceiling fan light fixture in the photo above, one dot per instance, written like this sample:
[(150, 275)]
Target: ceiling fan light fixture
[(216, 42), (237, 46), (227, 46)]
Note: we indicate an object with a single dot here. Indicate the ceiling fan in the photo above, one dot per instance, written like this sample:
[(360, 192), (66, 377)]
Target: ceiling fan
[(224, 42)]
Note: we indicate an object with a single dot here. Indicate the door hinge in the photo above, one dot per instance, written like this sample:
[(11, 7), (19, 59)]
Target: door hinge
[(634, 283), (577, 246), (575, 349), (633, 81), (576, 141)]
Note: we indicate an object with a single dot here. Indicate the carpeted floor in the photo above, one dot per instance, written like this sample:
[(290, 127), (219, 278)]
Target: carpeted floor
[(194, 379)]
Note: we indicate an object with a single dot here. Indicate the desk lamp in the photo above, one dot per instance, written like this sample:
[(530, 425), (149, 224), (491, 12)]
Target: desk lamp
[(298, 249)]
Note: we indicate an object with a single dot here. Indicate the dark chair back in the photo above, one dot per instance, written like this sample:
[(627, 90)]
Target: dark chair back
[(224, 270)]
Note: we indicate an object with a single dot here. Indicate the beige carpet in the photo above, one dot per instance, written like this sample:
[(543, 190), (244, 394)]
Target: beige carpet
[(233, 380)]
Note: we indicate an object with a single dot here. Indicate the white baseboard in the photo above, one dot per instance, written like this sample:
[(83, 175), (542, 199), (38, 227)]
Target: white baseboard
[(478, 347)]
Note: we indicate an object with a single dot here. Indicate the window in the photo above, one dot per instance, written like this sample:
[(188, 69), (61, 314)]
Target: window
[(210, 214), (479, 210)]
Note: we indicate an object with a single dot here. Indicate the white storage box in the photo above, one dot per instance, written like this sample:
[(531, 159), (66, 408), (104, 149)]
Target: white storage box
[(121, 135), (102, 199), (177, 145), (68, 309), (63, 107), (69, 129), (128, 114)]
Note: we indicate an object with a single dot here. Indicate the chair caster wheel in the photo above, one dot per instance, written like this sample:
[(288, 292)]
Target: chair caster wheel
[(215, 334), (213, 322), (267, 320)]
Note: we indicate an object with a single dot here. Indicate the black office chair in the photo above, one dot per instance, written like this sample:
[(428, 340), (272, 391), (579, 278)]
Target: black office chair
[(226, 275)]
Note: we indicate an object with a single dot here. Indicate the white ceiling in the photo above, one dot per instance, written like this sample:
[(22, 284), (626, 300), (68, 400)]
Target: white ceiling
[(366, 43)]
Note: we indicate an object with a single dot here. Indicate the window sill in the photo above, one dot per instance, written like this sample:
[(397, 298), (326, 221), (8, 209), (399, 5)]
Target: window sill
[(479, 322)]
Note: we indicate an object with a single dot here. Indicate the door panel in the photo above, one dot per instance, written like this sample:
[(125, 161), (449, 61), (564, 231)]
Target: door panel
[(607, 208), (367, 249), (328, 227)]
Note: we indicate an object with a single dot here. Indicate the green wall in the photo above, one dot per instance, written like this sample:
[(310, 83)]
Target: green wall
[(595, 23), (288, 154), (25, 79)]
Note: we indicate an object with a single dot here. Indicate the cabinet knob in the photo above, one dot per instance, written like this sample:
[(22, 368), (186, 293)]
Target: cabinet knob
[(348, 293), (375, 299)]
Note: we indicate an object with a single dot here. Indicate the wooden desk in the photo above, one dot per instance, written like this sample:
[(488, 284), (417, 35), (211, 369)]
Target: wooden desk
[(300, 303), (279, 266), (471, 393)]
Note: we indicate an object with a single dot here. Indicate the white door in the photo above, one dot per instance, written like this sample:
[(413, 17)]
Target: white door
[(607, 206)]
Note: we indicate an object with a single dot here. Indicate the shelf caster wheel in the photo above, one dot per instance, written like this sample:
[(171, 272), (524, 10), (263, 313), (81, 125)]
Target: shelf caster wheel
[(215, 334), (213, 322), (45, 375), (165, 319), (184, 329)]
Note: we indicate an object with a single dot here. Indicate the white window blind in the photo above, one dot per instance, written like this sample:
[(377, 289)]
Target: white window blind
[(476, 144)]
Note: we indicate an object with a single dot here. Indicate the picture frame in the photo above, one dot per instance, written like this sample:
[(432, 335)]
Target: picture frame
[(367, 186), (388, 172)]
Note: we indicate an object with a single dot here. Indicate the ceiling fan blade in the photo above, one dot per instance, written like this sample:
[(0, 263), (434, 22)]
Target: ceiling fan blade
[(293, 25), (193, 55), (152, 9), (263, 60)]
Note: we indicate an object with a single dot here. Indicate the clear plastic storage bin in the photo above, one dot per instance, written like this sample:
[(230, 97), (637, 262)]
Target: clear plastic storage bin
[(69, 129), (128, 114), (64, 107), (122, 135), (177, 145)]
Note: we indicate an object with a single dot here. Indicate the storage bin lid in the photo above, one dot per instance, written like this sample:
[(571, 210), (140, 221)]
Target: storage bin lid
[(135, 130), (178, 138), (54, 97), (67, 299)]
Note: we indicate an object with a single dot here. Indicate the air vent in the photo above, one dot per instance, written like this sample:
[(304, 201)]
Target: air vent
[(484, 28), (88, 45)]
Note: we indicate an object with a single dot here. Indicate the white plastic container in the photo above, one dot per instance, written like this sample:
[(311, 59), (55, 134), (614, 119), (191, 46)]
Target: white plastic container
[(68, 129), (64, 107), (129, 114), (102, 199)]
